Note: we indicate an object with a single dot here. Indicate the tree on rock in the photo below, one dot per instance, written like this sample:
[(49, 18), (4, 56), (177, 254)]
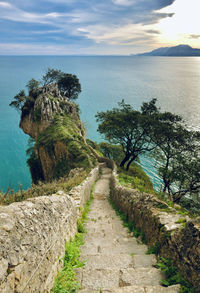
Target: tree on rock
[(69, 86), (51, 76)]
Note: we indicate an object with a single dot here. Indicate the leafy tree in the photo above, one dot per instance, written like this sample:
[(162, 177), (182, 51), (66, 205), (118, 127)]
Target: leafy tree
[(19, 100), (32, 85), (69, 86), (128, 128), (150, 108), (51, 76), (170, 138), (113, 152), (185, 169)]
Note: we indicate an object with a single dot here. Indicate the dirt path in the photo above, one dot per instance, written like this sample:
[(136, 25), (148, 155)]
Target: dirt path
[(116, 262)]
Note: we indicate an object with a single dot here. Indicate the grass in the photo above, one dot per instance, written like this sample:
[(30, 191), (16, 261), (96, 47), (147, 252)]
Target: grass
[(65, 184), (154, 249), (135, 178), (66, 281), (173, 277), (130, 225)]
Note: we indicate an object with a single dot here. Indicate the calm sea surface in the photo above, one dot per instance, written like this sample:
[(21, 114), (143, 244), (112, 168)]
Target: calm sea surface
[(175, 82)]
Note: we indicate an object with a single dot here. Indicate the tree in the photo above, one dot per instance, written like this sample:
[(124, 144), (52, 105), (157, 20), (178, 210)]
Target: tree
[(170, 137), (32, 85), (185, 168), (51, 76), (128, 128), (19, 100), (113, 152), (69, 86)]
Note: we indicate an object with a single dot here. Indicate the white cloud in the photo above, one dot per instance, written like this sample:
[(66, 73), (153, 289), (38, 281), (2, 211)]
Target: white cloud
[(124, 2), (122, 35), (5, 4)]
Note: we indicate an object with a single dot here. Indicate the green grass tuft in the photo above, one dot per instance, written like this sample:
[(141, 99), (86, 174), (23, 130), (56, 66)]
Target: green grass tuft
[(173, 277), (135, 178), (66, 280)]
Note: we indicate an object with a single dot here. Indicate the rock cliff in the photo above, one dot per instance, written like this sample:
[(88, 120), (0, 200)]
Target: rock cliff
[(54, 125)]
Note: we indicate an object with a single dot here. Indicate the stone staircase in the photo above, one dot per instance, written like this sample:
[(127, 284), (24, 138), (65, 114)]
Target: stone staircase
[(115, 261)]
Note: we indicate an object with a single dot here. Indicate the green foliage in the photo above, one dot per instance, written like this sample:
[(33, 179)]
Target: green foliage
[(128, 128), (135, 178), (165, 135), (113, 152), (51, 76), (63, 128), (19, 100), (69, 86), (66, 281), (154, 249), (32, 85), (173, 276)]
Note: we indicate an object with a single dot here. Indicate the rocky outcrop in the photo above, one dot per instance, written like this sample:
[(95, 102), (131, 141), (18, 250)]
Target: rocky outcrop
[(48, 102), (33, 235), (54, 124)]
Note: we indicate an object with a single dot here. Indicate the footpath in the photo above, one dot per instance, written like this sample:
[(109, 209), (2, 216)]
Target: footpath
[(116, 262)]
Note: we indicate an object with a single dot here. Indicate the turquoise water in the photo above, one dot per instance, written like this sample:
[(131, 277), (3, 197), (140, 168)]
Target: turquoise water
[(175, 82)]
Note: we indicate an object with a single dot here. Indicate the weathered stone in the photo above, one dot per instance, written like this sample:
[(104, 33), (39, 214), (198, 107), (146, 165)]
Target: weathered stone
[(108, 261), (140, 277), (99, 279), (32, 238)]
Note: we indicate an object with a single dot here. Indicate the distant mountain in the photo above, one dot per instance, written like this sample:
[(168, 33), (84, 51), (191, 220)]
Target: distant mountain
[(181, 50)]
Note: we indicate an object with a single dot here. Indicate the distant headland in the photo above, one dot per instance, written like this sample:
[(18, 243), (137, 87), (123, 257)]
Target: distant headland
[(181, 50)]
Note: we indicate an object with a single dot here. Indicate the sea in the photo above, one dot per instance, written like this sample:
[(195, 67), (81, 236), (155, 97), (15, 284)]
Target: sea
[(105, 81)]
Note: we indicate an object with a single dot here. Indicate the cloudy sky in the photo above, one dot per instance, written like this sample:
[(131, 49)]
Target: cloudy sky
[(116, 27)]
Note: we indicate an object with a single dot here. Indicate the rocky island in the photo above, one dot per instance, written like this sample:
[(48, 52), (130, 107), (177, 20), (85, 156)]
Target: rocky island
[(57, 135)]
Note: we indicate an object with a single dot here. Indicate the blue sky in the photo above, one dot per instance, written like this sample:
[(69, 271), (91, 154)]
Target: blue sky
[(81, 27)]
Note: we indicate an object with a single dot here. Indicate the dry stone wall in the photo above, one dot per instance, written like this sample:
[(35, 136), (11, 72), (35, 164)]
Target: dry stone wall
[(33, 235), (175, 235)]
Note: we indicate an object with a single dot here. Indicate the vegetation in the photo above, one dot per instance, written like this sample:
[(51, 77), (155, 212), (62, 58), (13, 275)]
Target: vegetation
[(135, 178), (162, 135), (173, 277), (68, 85), (128, 128), (66, 281), (130, 225), (64, 184)]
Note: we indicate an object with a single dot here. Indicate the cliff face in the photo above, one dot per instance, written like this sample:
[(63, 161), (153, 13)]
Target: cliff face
[(54, 124)]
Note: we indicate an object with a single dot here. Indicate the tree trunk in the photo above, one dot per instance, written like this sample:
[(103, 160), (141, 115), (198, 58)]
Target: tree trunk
[(127, 157), (131, 160)]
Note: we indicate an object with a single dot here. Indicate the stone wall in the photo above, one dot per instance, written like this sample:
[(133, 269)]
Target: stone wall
[(33, 235), (175, 235)]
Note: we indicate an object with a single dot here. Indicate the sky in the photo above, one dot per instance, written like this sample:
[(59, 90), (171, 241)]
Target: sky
[(96, 27)]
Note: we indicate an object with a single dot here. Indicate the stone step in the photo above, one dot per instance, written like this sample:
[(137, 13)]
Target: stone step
[(118, 261), (137, 289), (98, 261), (113, 278), (140, 276), (102, 247)]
